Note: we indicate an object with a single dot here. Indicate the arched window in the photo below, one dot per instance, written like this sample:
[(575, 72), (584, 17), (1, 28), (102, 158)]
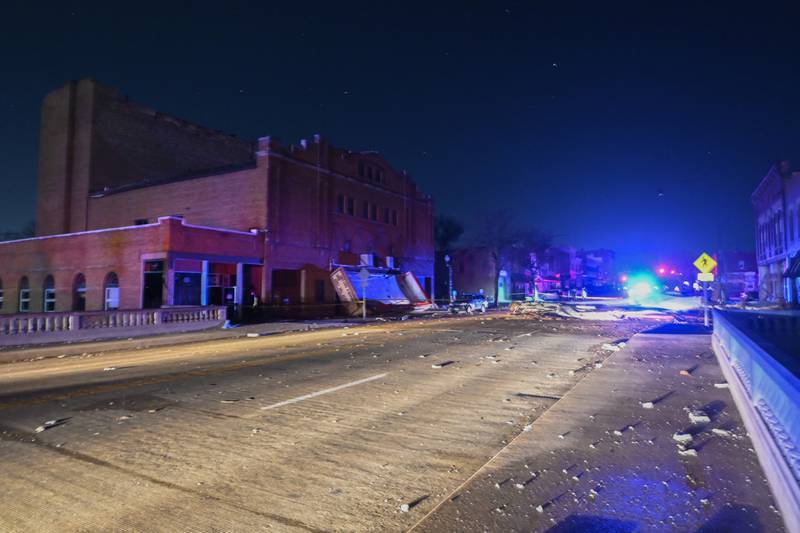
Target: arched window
[(24, 295), (49, 295), (79, 293), (111, 291), (1, 293)]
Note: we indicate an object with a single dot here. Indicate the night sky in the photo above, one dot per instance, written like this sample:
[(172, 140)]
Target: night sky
[(636, 128)]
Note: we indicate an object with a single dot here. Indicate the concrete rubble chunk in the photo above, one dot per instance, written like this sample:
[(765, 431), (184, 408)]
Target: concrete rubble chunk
[(253, 335), (721, 385), (691, 452), (442, 364), (611, 347), (721, 432), (647, 405), (699, 417), (683, 438), (109, 368)]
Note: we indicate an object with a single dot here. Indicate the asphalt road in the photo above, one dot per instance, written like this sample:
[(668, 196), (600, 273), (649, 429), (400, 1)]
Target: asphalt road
[(319, 431)]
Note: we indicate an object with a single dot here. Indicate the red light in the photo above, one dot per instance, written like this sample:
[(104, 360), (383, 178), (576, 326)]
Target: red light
[(662, 270), (672, 271)]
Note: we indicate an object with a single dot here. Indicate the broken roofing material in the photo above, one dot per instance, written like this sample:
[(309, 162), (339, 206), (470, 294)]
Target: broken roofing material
[(51, 424)]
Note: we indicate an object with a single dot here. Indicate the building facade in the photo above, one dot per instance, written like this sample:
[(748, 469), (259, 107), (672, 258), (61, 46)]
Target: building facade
[(776, 202), (106, 163)]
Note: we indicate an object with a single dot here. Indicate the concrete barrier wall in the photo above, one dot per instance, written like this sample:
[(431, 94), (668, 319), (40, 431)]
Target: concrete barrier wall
[(767, 395)]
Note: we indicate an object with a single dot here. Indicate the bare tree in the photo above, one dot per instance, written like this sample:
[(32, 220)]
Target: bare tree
[(447, 232), (510, 248)]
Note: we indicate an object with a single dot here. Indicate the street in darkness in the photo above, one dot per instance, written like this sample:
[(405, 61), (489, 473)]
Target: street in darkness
[(357, 429)]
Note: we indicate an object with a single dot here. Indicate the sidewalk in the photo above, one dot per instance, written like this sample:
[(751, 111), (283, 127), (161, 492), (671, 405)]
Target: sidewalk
[(603, 459), (91, 341)]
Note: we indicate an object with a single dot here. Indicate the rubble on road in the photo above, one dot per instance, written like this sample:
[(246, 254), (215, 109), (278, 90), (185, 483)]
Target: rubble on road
[(699, 417), (682, 438), (50, 424)]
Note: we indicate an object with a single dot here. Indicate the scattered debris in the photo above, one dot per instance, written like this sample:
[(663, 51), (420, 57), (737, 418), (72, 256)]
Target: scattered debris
[(682, 438), (647, 405), (721, 432), (442, 364), (406, 507), (699, 417), (691, 452), (50, 424), (253, 335), (611, 347), (721, 385), (109, 368)]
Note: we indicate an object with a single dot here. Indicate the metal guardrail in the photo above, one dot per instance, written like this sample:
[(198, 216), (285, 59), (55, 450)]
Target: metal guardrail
[(767, 395), (44, 323)]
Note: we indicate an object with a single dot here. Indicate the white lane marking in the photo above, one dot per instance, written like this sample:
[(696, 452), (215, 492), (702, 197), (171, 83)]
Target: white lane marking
[(326, 391)]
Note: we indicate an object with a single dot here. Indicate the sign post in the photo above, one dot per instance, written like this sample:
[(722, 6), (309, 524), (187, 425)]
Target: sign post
[(705, 264), (364, 275)]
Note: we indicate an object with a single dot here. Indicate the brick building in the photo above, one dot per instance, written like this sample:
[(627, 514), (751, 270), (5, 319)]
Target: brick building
[(776, 202), (116, 177)]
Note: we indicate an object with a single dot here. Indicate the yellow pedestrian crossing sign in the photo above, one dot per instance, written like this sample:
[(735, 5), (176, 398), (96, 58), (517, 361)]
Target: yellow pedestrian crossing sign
[(705, 263)]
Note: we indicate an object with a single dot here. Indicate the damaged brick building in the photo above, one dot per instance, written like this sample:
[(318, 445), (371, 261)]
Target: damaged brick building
[(137, 209)]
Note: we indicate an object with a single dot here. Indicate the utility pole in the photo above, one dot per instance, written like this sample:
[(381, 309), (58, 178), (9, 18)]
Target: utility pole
[(364, 275), (449, 278)]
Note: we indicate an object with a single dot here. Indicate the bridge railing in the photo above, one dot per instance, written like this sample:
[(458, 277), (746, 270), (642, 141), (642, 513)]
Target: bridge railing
[(44, 323), (767, 394)]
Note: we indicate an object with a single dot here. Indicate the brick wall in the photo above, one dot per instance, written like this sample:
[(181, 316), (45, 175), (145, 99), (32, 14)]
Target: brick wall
[(96, 253), (92, 139)]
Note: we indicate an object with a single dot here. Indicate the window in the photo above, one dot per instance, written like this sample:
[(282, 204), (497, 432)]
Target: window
[(351, 206), (340, 204), (24, 295), (386, 215), (394, 217), (361, 169), (140, 221), (79, 293), (365, 210), (111, 291), (49, 295), (1, 293), (374, 212)]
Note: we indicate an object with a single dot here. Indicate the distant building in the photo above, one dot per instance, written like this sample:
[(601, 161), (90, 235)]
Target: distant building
[(474, 273), (776, 202), (598, 269), (737, 272), (559, 269), (139, 209)]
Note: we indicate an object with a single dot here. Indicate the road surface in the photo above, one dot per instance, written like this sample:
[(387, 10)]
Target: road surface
[(360, 429)]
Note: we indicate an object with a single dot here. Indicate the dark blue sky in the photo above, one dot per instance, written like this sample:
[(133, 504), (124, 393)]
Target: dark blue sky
[(643, 129)]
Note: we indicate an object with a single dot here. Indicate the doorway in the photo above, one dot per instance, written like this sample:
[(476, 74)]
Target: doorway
[(153, 292)]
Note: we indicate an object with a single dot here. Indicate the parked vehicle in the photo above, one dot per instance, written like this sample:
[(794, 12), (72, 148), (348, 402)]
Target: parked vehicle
[(469, 303)]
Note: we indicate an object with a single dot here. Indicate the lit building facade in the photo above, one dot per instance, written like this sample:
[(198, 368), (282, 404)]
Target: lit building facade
[(254, 219), (776, 202)]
